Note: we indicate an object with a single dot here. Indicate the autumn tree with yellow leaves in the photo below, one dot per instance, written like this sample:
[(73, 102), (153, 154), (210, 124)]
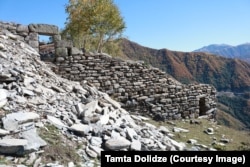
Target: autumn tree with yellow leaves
[(93, 24)]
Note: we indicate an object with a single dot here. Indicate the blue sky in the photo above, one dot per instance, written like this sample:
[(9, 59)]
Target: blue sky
[(182, 25)]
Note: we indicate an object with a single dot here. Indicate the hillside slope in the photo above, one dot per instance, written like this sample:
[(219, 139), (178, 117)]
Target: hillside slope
[(188, 67)]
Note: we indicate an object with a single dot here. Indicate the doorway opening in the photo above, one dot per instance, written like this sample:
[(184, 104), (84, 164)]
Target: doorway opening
[(46, 48), (202, 106)]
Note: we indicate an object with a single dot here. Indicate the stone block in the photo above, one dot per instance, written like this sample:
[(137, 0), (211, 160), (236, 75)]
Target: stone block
[(22, 28), (34, 44), (56, 38), (75, 51), (63, 44), (44, 29), (33, 36), (62, 52)]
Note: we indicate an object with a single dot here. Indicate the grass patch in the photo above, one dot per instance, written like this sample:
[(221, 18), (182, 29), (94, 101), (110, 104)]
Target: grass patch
[(239, 139), (59, 147), (3, 160)]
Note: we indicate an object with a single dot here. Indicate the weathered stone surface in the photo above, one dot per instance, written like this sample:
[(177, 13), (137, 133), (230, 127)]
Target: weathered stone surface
[(3, 97), (56, 122), (44, 29), (3, 55), (34, 44), (11, 121), (63, 44), (4, 132), (63, 52), (96, 141), (75, 51), (192, 141), (34, 142), (22, 28), (176, 129), (33, 36), (131, 134), (81, 129), (135, 145), (91, 153), (12, 146), (117, 144), (97, 150), (89, 109), (209, 131), (2, 47)]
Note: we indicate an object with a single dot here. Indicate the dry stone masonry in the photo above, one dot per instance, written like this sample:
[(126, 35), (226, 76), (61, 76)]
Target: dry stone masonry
[(30, 34), (139, 88)]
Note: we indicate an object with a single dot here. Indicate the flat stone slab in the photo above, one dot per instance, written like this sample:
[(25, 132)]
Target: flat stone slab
[(4, 132), (81, 129), (181, 130), (117, 144), (11, 121), (44, 29), (56, 122), (13, 146), (34, 141)]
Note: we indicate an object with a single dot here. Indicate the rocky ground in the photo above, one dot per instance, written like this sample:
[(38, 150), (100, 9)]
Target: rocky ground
[(50, 121)]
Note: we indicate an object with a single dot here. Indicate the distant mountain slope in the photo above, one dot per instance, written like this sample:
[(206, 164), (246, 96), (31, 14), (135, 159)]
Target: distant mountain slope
[(187, 67), (240, 51)]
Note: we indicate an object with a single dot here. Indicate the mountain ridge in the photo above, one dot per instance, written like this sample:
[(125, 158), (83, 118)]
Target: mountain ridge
[(241, 51), (187, 67)]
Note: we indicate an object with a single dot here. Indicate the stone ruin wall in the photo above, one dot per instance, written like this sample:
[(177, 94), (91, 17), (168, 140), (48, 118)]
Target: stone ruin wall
[(30, 34), (137, 87)]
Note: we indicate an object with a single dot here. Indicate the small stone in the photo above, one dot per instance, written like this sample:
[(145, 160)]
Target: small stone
[(209, 131), (131, 134), (91, 153), (12, 36), (71, 164), (2, 47), (225, 140), (96, 149), (3, 55), (3, 97), (192, 141), (175, 129), (135, 145), (28, 92), (96, 141), (37, 162), (4, 132)]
